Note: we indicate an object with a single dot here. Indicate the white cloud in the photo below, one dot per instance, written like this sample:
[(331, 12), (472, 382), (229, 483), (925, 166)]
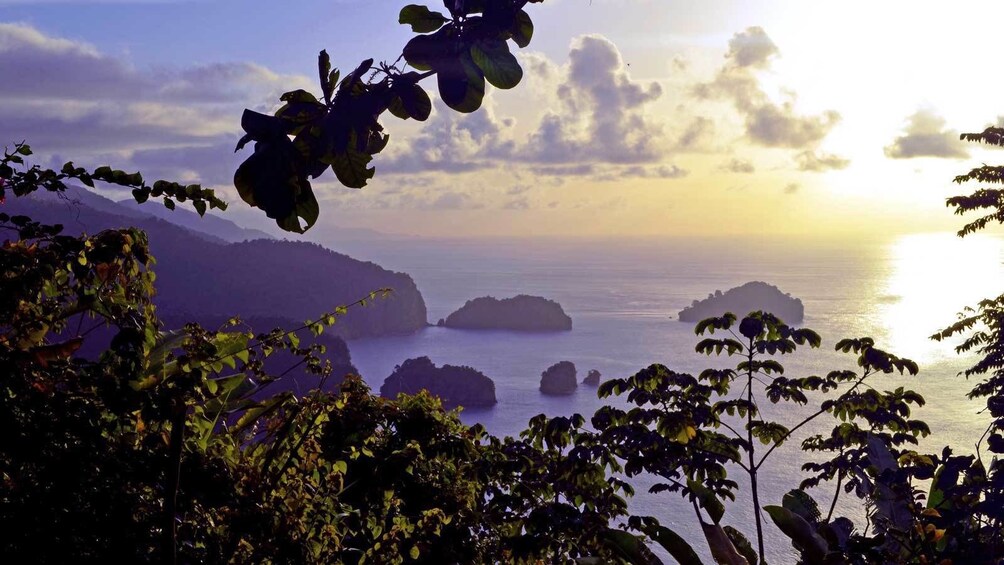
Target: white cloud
[(926, 135), (767, 123)]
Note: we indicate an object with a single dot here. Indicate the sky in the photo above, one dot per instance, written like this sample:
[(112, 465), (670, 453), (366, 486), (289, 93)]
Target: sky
[(802, 120)]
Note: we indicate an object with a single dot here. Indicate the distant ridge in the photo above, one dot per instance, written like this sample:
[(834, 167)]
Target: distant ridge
[(203, 276), (741, 300), (208, 224)]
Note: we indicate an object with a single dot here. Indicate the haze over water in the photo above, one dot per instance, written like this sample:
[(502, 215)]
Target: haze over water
[(623, 297)]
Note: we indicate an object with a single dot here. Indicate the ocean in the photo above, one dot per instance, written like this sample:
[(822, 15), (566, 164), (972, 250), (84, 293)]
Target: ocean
[(624, 295)]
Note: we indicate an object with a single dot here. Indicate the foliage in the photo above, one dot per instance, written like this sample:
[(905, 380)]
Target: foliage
[(21, 181), (179, 453), (690, 431), (341, 130)]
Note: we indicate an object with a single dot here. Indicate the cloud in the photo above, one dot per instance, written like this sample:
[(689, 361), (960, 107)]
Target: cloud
[(767, 123), (602, 117), (792, 188), (698, 132), (751, 48), (453, 143), (564, 170), (66, 97), (596, 118), (925, 135), (638, 171), (736, 165), (816, 161)]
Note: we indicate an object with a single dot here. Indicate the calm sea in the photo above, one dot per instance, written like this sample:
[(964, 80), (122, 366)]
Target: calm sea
[(623, 297)]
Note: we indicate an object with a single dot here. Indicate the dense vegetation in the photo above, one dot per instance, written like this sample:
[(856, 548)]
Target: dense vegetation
[(174, 446)]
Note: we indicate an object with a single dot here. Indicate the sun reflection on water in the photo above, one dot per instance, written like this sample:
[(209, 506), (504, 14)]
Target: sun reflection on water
[(932, 277)]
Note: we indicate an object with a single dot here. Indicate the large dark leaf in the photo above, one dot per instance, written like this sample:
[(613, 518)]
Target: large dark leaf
[(803, 536), (522, 31), (674, 544), (269, 180), (721, 546), (424, 52), (499, 66), (461, 84), (630, 547), (352, 167), (421, 19)]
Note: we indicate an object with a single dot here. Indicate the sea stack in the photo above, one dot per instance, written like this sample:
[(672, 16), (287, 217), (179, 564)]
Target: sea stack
[(592, 378), (559, 379)]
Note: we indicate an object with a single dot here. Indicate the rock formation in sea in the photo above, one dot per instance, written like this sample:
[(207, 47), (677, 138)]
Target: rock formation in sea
[(455, 385), (744, 299), (559, 379), (520, 313), (592, 378), (200, 274)]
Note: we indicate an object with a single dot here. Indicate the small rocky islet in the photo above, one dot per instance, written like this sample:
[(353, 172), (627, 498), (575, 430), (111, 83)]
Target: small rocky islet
[(520, 313), (454, 385), (750, 297), (559, 379)]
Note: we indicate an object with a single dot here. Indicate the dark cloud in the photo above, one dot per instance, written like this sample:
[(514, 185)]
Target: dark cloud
[(792, 188), (767, 123), (699, 131), (67, 98), (736, 165), (37, 67), (926, 135), (817, 161)]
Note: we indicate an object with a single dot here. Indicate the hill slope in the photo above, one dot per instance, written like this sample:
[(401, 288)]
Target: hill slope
[(201, 276)]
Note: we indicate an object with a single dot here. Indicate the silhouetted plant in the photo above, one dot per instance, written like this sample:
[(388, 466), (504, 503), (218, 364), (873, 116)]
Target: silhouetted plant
[(690, 430), (341, 130)]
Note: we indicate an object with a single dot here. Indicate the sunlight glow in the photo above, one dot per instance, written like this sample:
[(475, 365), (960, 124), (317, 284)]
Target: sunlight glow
[(931, 278)]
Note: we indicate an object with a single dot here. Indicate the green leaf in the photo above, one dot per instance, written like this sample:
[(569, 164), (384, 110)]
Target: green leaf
[(799, 502), (630, 547), (424, 52), (351, 168), (421, 19), (721, 546), (742, 545), (461, 83), (325, 74), (499, 66), (522, 30), (707, 499), (416, 102), (803, 536), (674, 544), (200, 206)]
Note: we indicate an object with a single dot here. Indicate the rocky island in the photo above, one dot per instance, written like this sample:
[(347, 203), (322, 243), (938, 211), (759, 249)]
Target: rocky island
[(592, 378), (520, 313), (454, 385), (559, 379), (747, 298)]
